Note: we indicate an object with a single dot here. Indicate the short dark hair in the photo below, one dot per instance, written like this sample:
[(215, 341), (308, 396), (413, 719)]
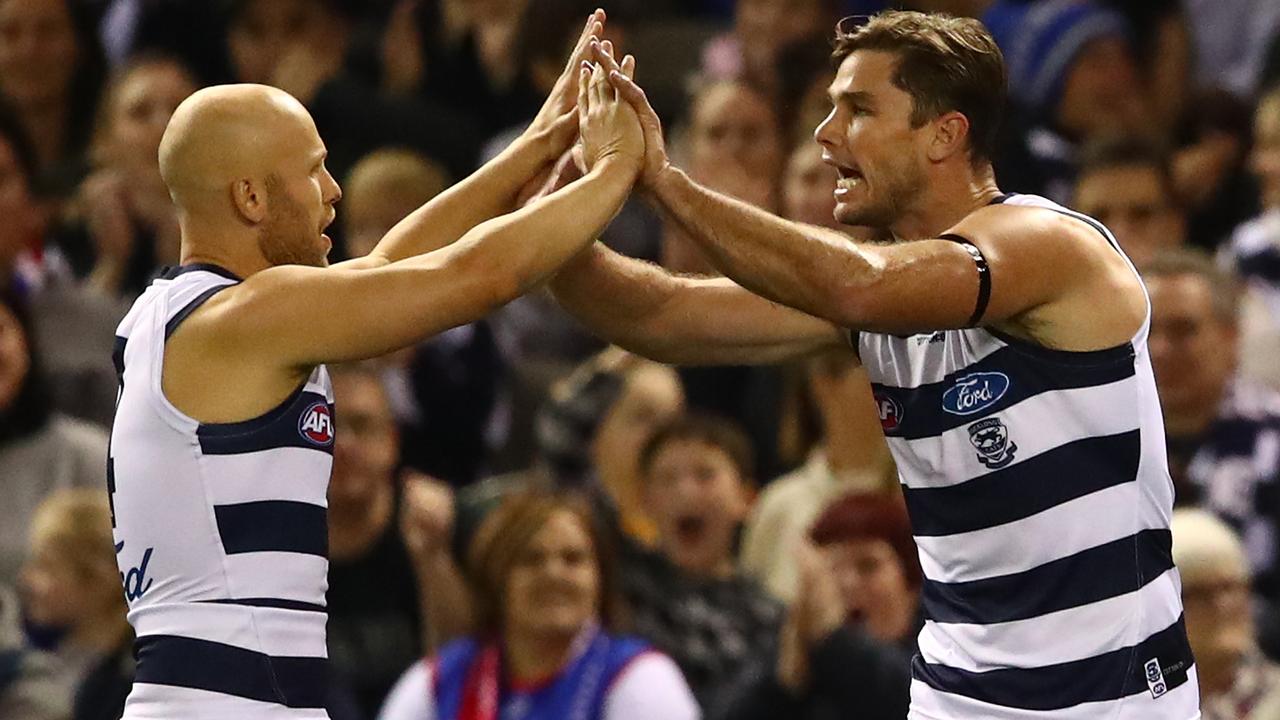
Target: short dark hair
[(945, 63), (713, 430), (1223, 284), (1117, 151)]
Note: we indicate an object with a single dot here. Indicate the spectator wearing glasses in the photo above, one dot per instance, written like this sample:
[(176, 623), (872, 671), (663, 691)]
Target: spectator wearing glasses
[(1236, 681)]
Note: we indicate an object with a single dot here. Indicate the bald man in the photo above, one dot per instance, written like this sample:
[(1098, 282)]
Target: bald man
[(223, 437)]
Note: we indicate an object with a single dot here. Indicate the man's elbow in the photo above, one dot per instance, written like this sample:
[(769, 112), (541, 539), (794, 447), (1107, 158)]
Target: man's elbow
[(489, 282), (853, 305)]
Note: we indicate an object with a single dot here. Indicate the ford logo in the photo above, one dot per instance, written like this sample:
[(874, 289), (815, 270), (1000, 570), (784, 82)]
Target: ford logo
[(975, 392)]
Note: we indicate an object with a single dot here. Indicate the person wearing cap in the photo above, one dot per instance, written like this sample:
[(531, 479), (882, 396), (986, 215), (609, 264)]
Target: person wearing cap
[(1073, 77)]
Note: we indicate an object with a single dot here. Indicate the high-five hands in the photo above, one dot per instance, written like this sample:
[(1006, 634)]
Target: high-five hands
[(555, 128), (621, 77), (576, 161), (607, 123)]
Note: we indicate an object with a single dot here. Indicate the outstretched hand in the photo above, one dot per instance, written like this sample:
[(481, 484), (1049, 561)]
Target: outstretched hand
[(607, 123), (564, 93), (621, 76)]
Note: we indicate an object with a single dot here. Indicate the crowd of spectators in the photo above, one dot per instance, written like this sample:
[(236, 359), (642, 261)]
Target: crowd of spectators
[(585, 525)]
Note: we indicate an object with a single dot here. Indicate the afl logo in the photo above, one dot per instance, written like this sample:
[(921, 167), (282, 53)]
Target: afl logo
[(890, 412), (316, 424)]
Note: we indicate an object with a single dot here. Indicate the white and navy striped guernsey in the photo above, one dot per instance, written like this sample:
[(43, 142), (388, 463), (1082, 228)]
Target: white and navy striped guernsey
[(220, 531), (1040, 500)]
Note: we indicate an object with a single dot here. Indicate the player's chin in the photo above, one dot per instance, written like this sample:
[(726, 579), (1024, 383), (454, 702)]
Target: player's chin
[(848, 214)]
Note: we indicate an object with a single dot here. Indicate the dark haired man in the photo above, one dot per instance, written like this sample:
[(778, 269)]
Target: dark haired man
[(1125, 183), (1024, 423)]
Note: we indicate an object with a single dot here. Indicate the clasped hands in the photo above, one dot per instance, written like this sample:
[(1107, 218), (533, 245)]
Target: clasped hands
[(615, 127)]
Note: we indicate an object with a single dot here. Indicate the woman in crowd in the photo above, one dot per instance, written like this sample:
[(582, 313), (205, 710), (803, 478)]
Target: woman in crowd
[(763, 30), (845, 650), (71, 589), (51, 70), (40, 450), (544, 646), (123, 225)]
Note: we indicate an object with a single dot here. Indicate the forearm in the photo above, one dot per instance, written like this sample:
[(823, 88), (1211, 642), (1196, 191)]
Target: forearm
[(801, 266), (526, 246), (444, 600), (684, 320), (614, 296), (483, 195), (377, 306)]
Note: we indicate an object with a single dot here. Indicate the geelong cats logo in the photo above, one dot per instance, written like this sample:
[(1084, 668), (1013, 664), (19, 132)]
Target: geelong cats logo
[(990, 437)]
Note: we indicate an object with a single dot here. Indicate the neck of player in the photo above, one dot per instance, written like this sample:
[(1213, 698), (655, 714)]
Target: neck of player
[(944, 201)]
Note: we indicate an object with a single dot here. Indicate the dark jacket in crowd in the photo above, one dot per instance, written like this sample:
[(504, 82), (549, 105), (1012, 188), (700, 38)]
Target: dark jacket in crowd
[(850, 676)]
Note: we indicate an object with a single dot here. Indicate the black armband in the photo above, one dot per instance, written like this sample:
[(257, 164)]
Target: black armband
[(984, 276)]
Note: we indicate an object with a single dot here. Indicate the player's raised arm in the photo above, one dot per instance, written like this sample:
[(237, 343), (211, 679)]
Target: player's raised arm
[(687, 320), (671, 318), (300, 316), (493, 189), (1001, 266)]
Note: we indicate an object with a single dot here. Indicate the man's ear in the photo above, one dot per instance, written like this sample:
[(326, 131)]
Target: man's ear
[(950, 136), (249, 198)]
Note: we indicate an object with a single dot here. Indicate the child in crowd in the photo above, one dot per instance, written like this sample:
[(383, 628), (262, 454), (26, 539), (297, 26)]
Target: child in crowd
[(688, 597), (71, 593)]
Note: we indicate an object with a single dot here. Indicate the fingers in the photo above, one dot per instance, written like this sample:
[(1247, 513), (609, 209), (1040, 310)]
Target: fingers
[(584, 81), (593, 28), (603, 54), (629, 66), (630, 91), (601, 90)]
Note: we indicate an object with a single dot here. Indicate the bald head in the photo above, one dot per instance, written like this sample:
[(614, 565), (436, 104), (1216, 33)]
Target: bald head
[(227, 134)]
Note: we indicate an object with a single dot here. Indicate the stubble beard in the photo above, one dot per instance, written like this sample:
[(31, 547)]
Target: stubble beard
[(883, 210), (283, 237)]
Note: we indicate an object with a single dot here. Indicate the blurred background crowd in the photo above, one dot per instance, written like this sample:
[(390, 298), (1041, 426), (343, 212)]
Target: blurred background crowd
[(731, 516)]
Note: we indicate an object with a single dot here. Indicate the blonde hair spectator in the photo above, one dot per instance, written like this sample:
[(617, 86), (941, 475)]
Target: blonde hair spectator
[(1235, 679), (384, 187)]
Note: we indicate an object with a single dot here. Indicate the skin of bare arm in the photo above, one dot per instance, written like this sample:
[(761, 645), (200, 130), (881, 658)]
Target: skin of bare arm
[(268, 331), (684, 320), (676, 319), (493, 189), (1047, 269)]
